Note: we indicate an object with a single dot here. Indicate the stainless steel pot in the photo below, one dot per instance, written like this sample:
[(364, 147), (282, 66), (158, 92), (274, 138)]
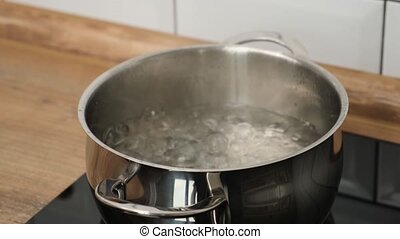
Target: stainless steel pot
[(298, 188)]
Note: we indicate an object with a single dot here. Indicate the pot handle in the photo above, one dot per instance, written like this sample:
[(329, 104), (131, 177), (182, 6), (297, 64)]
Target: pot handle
[(274, 37), (111, 192)]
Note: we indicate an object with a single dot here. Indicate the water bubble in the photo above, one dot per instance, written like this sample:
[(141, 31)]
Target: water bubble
[(164, 126), (208, 138), (296, 137), (216, 143), (279, 130), (122, 129), (236, 147), (221, 161), (172, 143), (206, 160), (259, 138), (136, 142), (277, 127), (243, 130), (233, 119), (269, 132), (182, 152), (158, 146), (153, 113), (115, 135), (109, 136), (211, 123)]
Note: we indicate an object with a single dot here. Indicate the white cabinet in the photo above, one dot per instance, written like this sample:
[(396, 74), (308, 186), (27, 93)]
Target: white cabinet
[(339, 32), (152, 14), (391, 56)]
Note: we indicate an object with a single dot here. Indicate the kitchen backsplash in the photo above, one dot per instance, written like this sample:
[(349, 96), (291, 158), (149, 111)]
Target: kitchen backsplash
[(339, 32), (358, 34), (391, 56)]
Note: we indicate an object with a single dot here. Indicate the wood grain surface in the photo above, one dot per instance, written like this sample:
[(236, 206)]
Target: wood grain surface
[(82, 35), (374, 104), (41, 142), (46, 61)]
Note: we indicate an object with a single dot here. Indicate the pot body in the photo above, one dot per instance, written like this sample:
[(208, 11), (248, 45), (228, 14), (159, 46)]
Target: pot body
[(299, 188)]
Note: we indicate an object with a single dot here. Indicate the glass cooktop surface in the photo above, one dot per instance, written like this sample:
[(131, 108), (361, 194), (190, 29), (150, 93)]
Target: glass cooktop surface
[(76, 205)]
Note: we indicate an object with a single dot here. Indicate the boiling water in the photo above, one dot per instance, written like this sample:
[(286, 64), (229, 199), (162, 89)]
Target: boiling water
[(233, 136)]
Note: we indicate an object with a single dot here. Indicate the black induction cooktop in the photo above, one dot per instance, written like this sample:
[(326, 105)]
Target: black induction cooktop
[(76, 205)]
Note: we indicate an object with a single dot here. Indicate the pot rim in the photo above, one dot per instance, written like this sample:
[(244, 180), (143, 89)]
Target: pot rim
[(91, 89)]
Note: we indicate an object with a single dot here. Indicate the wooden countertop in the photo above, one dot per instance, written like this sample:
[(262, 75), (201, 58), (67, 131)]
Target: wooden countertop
[(47, 59)]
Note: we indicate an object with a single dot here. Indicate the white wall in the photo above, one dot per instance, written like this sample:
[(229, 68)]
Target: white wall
[(340, 32), (391, 60), (346, 33)]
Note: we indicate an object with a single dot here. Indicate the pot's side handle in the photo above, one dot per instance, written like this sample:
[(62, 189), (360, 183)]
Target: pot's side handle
[(111, 192), (274, 37)]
